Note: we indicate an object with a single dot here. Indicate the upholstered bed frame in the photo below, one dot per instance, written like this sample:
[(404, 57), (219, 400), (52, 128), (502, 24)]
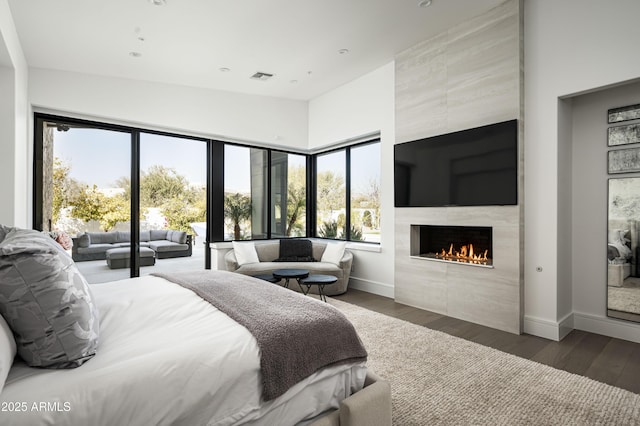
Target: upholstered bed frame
[(369, 407)]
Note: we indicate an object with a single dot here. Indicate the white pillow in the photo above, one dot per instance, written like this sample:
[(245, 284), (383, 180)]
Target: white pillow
[(245, 253), (333, 253), (7, 350)]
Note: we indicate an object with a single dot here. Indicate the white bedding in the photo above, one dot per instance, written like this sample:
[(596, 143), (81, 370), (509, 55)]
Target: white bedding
[(166, 357)]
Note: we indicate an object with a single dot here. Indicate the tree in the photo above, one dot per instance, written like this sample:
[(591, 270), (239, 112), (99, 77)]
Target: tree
[(237, 207), (160, 184), (64, 188), (180, 216), (91, 204), (331, 192), (296, 199)]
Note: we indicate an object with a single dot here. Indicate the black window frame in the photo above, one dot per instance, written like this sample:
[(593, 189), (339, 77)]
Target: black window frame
[(347, 149)]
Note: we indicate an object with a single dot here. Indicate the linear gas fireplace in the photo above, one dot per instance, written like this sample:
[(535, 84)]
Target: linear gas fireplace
[(469, 245)]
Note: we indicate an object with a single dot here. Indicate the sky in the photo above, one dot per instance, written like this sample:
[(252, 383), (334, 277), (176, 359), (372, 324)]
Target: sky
[(98, 156)]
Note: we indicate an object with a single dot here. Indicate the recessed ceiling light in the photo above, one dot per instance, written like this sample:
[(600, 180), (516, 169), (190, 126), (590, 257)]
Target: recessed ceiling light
[(424, 3), (158, 2), (224, 69), (343, 51), (135, 54)]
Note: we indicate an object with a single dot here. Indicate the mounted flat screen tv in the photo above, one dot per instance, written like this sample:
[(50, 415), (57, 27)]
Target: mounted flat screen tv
[(474, 167)]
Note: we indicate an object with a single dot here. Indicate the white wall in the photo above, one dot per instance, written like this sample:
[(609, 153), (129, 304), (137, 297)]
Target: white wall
[(571, 46), (14, 110), (180, 109), (364, 106)]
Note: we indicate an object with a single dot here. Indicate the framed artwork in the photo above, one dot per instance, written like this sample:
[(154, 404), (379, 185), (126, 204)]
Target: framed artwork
[(625, 113), (624, 135), (624, 160)]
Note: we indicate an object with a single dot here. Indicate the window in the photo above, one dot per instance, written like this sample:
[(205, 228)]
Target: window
[(330, 196), (348, 180), (288, 195), (365, 193), (245, 193)]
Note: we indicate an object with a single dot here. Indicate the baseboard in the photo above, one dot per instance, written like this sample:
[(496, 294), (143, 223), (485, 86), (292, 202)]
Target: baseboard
[(381, 289), (611, 327), (542, 328)]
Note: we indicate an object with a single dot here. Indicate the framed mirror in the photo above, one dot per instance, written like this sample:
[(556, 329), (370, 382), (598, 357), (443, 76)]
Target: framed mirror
[(623, 249)]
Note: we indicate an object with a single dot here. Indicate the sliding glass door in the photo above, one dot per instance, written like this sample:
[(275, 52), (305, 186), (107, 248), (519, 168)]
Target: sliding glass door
[(130, 202), (86, 191), (173, 198)]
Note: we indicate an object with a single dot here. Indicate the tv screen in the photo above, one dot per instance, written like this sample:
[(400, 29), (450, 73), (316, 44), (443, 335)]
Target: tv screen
[(474, 167)]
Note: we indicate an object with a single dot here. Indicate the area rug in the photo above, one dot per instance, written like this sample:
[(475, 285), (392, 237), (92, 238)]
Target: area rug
[(438, 379), (625, 298)]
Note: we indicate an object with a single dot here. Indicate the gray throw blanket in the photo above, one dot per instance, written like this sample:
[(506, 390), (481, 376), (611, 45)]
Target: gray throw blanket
[(297, 335)]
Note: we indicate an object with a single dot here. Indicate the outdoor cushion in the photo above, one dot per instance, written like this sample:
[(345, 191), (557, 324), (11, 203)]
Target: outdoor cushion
[(46, 302), (123, 237), (157, 234), (95, 248), (84, 240), (103, 237), (164, 246), (178, 237), (145, 235)]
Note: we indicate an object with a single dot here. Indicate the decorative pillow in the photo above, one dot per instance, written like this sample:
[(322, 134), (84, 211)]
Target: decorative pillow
[(84, 240), (334, 252), (179, 237), (245, 253), (46, 302), (7, 350), (295, 251)]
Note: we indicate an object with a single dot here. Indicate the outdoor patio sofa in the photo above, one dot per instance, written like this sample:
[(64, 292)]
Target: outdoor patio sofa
[(269, 251), (165, 243)]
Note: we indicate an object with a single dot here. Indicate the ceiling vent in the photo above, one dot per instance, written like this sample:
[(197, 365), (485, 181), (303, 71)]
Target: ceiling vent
[(262, 76)]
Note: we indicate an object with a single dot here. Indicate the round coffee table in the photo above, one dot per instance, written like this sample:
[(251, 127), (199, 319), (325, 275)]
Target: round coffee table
[(267, 277), (320, 281), (287, 274)]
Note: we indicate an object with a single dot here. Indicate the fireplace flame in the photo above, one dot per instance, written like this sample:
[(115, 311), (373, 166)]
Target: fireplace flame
[(465, 254)]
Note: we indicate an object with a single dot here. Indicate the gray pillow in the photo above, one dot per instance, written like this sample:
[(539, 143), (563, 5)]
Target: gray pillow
[(157, 234), (179, 237), (84, 240), (46, 302)]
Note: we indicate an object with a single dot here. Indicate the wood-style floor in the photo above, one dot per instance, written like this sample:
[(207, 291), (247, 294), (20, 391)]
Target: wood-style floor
[(605, 359)]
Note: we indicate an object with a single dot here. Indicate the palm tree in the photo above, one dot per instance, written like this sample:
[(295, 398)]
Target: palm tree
[(237, 207)]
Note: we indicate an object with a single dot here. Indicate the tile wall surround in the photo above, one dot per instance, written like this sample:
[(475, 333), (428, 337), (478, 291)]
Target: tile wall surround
[(468, 76)]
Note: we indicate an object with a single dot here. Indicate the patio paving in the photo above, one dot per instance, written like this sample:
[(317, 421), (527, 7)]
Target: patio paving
[(97, 271)]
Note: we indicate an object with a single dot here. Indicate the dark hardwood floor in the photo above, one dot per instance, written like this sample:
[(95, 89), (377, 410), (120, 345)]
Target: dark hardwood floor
[(605, 359)]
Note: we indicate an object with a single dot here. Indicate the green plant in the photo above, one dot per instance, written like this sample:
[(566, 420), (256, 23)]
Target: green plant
[(329, 229), (237, 207)]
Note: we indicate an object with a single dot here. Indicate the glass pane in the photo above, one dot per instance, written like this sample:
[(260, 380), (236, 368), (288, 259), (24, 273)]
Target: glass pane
[(288, 195), (87, 189), (365, 193), (173, 176), (331, 195), (245, 193)]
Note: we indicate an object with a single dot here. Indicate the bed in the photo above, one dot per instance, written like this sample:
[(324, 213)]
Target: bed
[(166, 355), (621, 248)]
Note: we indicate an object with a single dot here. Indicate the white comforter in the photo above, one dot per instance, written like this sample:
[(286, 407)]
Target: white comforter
[(166, 357)]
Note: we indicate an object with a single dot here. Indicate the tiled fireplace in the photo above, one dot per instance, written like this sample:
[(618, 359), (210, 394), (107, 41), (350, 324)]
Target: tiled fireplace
[(468, 245), (487, 292)]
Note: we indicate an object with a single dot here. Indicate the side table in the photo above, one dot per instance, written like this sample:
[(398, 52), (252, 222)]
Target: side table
[(320, 281), (287, 274)]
